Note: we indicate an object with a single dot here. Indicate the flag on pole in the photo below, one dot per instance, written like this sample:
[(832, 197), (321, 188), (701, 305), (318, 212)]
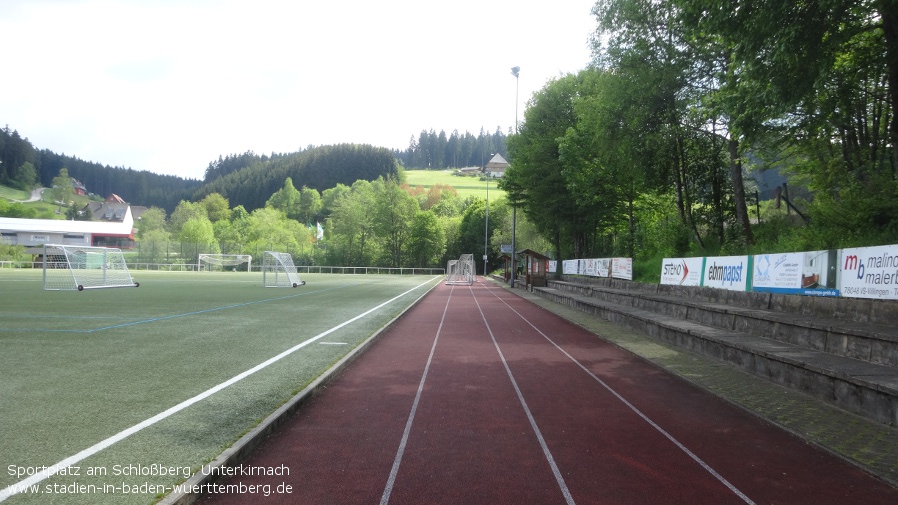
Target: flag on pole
[(320, 235)]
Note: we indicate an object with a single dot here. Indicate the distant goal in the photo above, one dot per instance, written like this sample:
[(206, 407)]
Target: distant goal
[(278, 271), (461, 271), (82, 267), (225, 262)]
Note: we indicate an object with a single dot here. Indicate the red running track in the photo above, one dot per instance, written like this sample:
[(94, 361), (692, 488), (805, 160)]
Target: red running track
[(478, 396)]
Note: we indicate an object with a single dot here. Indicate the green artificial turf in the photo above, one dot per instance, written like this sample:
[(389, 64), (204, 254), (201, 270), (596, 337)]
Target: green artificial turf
[(79, 367)]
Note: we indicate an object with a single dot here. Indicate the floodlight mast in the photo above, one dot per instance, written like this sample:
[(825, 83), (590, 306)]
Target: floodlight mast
[(516, 72)]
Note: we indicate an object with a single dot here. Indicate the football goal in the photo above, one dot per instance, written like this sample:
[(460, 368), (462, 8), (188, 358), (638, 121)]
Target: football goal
[(69, 267), (278, 271), (461, 271), (223, 262)]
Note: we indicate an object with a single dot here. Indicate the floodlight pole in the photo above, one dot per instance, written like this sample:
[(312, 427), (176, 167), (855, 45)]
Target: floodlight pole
[(516, 72), (486, 228)]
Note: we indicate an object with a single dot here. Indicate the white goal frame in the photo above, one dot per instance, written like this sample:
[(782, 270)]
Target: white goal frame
[(461, 271), (278, 271), (70, 268), (207, 261)]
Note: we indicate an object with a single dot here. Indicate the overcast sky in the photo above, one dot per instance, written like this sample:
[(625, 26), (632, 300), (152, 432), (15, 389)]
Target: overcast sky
[(170, 85)]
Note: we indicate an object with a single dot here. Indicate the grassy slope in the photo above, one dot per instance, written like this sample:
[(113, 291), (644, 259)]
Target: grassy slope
[(466, 186)]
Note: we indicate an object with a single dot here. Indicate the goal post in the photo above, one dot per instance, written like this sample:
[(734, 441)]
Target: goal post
[(461, 271), (68, 267), (221, 262), (278, 271)]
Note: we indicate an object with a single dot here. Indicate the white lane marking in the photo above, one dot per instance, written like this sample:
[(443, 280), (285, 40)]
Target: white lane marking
[(638, 412), (391, 480), (539, 436), (18, 487), (333, 343)]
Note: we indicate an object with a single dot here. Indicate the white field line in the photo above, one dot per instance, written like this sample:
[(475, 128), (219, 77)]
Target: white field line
[(638, 412), (24, 484)]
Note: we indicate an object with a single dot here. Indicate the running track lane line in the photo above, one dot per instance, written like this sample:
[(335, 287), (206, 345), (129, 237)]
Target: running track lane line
[(391, 480), (632, 407), (539, 436), (18, 487)]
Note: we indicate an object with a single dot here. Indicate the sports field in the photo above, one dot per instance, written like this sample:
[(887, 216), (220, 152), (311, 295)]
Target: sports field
[(128, 391)]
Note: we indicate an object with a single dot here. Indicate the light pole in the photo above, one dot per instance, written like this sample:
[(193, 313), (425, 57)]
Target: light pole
[(486, 228), (516, 72)]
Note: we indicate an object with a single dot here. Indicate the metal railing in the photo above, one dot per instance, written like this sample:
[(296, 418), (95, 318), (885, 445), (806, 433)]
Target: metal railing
[(307, 269)]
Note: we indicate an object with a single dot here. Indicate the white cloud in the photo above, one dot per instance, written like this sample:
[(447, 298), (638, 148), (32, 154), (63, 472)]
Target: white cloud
[(169, 86)]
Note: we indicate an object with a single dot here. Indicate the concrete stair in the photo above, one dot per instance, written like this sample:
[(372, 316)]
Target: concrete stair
[(841, 350)]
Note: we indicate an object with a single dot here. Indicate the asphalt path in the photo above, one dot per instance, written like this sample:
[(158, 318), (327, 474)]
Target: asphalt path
[(479, 396)]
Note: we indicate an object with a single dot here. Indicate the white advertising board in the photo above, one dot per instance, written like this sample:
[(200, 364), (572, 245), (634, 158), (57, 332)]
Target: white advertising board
[(622, 268), (805, 273), (869, 272), (727, 272), (682, 271)]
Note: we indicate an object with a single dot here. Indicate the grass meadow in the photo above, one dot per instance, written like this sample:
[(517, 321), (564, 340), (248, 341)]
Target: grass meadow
[(465, 185), (79, 368)]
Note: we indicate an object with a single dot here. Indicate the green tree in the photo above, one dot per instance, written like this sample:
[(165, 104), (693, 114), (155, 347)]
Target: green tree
[(217, 207), (63, 191), (184, 212), (427, 241), (151, 220), (352, 226), (535, 178), (25, 176), (198, 235), (393, 210), (286, 199), (309, 206)]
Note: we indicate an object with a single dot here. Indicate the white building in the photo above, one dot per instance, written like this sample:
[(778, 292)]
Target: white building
[(37, 232)]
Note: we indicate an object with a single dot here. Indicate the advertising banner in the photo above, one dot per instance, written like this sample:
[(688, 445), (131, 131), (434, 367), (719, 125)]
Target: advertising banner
[(570, 267), (682, 271), (727, 272), (804, 273), (869, 272), (622, 268)]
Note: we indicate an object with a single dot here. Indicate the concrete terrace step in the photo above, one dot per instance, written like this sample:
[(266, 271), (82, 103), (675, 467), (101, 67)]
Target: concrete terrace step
[(875, 343), (862, 387)]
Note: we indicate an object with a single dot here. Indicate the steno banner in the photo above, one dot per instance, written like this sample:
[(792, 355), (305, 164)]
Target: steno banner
[(869, 272), (682, 271)]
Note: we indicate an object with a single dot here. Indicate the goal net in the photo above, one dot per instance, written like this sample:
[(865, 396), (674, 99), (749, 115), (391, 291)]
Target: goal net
[(82, 267), (461, 271), (278, 271), (225, 262)]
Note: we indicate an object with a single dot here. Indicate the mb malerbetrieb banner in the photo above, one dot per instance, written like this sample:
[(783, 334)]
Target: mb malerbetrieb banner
[(869, 272)]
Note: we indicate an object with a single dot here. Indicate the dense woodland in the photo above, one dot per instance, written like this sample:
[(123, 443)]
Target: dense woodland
[(646, 152)]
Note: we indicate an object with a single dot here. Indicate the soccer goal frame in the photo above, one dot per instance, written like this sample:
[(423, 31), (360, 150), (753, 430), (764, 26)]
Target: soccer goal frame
[(218, 262), (278, 271), (461, 271), (70, 268)]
